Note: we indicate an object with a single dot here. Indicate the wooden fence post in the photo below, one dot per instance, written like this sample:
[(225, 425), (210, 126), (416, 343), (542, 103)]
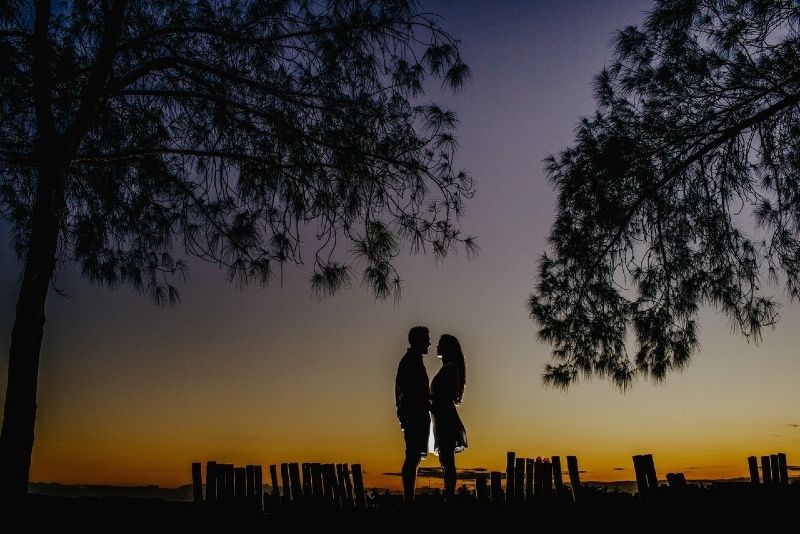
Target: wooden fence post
[(776, 470), (326, 484), (650, 470), (258, 473), (240, 483), (547, 481), (197, 482), (529, 480), (496, 479), (337, 478), (250, 473), (307, 480), (358, 483), (340, 481), (348, 484), (316, 480), (337, 490), (557, 476), (538, 486), (510, 456), (641, 475), (752, 463), (766, 471), (211, 481), (574, 476), (481, 488), (339, 493), (273, 475), (294, 481), (328, 492), (519, 481), (783, 468), (676, 481), (229, 482), (222, 493), (287, 492)]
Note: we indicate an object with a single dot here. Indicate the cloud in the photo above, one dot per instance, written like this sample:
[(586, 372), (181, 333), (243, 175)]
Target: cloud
[(793, 467), (695, 467), (618, 469), (793, 425)]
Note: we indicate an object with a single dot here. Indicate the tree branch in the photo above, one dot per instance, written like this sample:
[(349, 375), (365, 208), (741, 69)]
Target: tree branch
[(94, 92), (162, 63), (260, 113), (726, 135), (16, 157), (285, 95), (238, 37), (155, 151), (15, 33), (117, 86)]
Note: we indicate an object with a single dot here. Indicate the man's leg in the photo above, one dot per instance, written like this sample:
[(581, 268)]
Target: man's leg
[(409, 473)]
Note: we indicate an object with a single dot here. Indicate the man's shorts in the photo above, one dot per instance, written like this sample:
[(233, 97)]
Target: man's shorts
[(416, 435)]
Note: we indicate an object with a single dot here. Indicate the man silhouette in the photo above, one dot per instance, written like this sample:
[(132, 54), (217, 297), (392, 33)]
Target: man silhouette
[(412, 398)]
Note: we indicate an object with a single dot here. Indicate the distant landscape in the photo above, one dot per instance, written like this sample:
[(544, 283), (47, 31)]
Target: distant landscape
[(181, 493)]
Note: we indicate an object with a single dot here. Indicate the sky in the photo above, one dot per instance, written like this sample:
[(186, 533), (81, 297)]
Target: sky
[(132, 394)]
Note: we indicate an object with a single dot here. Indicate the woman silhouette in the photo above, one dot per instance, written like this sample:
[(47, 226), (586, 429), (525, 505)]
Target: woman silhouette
[(447, 389)]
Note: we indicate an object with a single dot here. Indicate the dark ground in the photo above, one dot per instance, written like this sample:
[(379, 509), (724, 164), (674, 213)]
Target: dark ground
[(718, 506)]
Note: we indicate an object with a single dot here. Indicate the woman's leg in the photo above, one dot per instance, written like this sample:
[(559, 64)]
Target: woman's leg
[(447, 458)]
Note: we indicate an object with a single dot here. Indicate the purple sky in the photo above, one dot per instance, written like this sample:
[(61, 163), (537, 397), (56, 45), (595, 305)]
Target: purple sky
[(263, 375)]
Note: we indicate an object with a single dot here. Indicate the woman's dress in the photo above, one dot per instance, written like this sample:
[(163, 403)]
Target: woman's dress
[(448, 430)]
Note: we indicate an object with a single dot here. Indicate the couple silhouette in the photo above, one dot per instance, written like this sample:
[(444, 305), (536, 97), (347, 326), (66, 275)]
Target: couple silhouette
[(418, 403)]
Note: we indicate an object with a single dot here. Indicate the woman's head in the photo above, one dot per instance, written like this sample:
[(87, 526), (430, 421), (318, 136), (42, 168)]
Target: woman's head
[(450, 350)]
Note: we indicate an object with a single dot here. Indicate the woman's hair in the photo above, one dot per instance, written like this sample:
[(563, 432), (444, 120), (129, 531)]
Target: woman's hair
[(451, 353)]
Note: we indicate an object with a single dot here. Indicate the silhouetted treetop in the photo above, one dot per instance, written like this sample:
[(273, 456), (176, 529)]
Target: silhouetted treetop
[(246, 133), (233, 131), (683, 190)]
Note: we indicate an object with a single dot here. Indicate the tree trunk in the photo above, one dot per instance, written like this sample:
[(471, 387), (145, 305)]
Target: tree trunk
[(19, 416)]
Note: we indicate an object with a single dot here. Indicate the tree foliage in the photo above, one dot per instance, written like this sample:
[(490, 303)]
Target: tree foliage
[(134, 133), (235, 131), (681, 191)]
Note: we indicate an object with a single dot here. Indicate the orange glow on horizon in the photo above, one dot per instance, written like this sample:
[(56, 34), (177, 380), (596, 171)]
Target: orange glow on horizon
[(170, 472), (132, 394)]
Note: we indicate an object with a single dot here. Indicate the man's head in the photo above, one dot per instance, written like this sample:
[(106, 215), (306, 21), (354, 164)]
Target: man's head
[(419, 340)]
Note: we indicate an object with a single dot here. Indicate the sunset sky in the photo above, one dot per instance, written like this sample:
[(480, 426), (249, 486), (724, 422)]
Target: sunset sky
[(132, 394)]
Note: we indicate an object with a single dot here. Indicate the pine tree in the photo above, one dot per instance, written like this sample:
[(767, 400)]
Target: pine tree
[(682, 191), (136, 133)]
